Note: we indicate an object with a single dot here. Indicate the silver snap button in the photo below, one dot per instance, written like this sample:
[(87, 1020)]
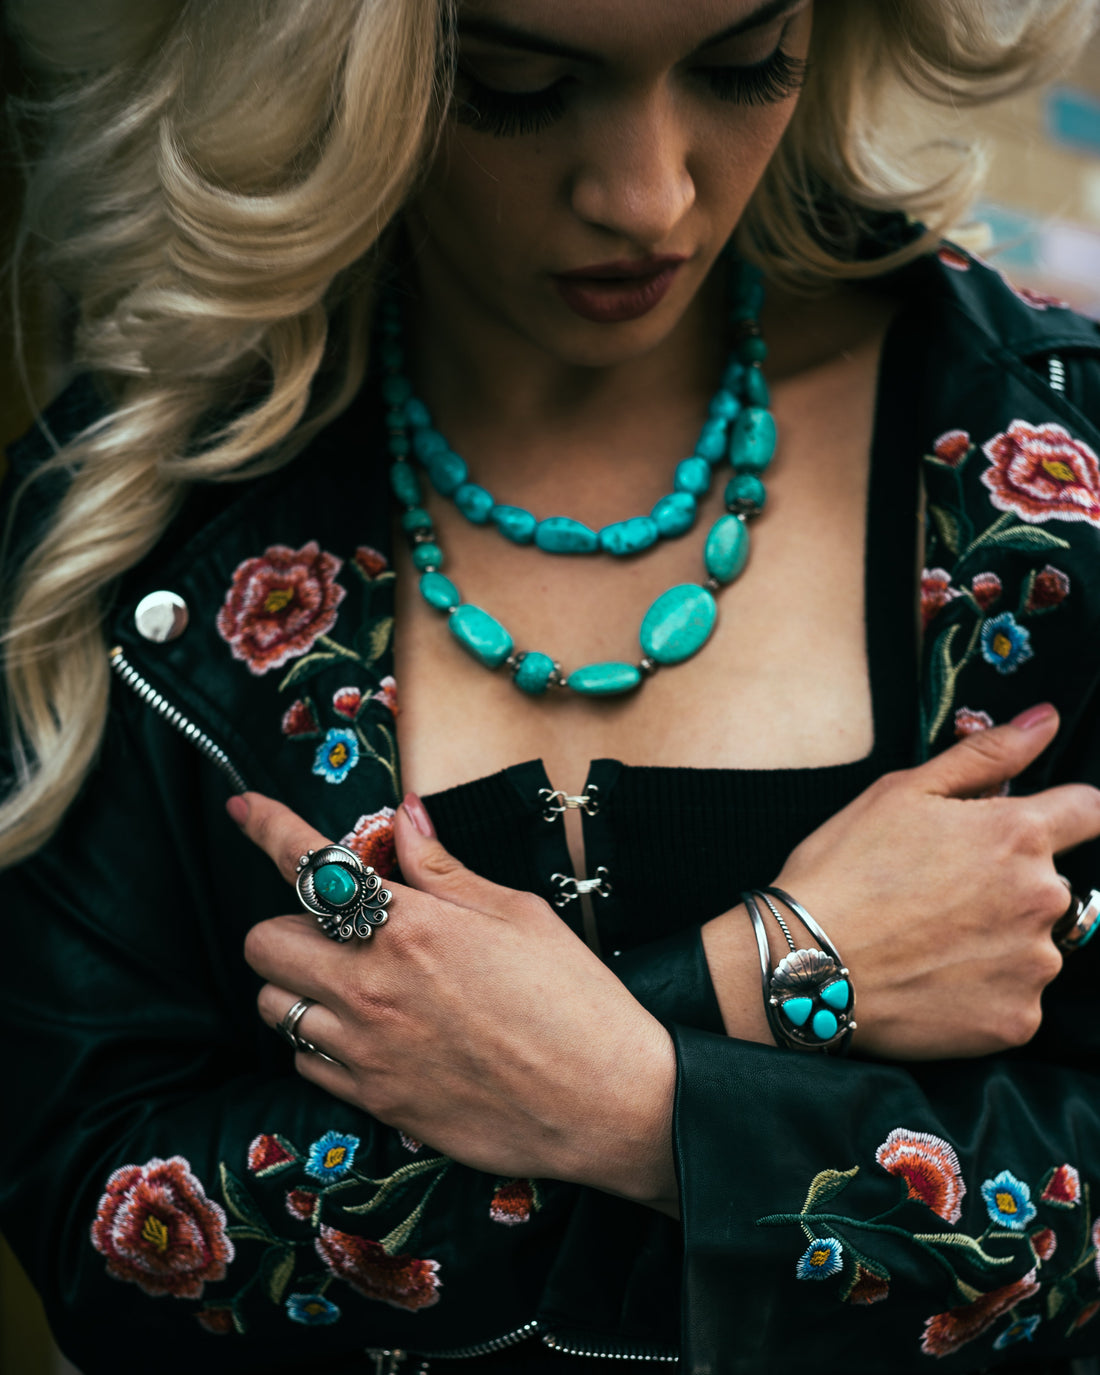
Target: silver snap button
[(161, 616)]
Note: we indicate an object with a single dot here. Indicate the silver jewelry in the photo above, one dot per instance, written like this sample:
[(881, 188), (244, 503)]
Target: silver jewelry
[(1074, 930), (344, 894), (288, 1027)]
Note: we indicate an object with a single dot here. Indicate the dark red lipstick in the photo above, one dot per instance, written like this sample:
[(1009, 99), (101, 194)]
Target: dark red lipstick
[(625, 289)]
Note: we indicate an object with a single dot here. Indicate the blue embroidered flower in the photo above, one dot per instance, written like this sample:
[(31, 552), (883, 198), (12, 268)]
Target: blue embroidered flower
[(1005, 644), (822, 1258), (331, 1156), (1008, 1201), (337, 755), (1021, 1331), (314, 1310)]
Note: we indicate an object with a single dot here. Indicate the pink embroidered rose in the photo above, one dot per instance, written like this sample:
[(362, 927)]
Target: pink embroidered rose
[(346, 701), (952, 257), (945, 1333), (1044, 1243), (935, 592), (969, 722), (986, 589), (1063, 1188), (268, 1154), (371, 838), (411, 1144), (1038, 300), (402, 1281), (370, 562), (929, 1167), (302, 1204), (512, 1202), (952, 447), (299, 722), (158, 1229), (387, 693), (1049, 588), (279, 604), (1040, 473)]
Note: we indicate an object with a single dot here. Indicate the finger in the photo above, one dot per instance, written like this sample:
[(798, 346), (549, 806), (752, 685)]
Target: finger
[(280, 833), (293, 953), (1071, 813), (984, 760), (426, 865), (318, 1024)]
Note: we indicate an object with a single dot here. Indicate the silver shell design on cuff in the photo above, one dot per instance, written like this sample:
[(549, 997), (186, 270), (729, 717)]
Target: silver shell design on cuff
[(344, 894), (812, 990)]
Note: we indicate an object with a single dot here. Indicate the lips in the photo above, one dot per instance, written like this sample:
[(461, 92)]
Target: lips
[(615, 291)]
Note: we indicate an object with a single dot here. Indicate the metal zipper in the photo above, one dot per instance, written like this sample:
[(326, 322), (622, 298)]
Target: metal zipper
[(489, 1348), (596, 1351), (591, 1350), (175, 718)]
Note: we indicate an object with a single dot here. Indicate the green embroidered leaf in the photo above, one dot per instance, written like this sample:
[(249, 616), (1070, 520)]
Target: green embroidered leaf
[(239, 1322), (278, 1269), (947, 527), (1023, 538), (307, 667), (240, 1204), (247, 1234), (388, 1187), (944, 673), (1055, 1301), (827, 1185), (377, 638), (393, 1241), (960, 1239), (967, 1291)]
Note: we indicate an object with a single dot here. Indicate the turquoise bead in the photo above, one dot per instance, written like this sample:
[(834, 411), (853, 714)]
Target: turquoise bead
[(333, 883), (416, 413), (752, 443), (674, 514), (727, 548), (480, 634), (756, 389), (604, 680), (439, 591), (534, 673), (397, 390), (415, 518), (392, 354), (399, 446), (406, 485), (692, 475), (824, 1025), (629, 536), (563, 535), (447, 471), (745, 493), (427, 556), (752, 350), (797, 1010), (474, 502), (724, 405), (711, 443), (678, 624), (836, 995), (514, 523), (749, 300), (427, 443), (734, 376)]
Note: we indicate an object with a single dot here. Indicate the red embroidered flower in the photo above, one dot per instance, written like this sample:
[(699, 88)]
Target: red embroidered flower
[(868, 1287), (1086, 1314), (299, 721), (302, 1204), (371, 838), (986, 588), (402, 1281), (935, 592), (279, 604), (270, 1153), (410, 1143), (951, 257), (512, 1202), (969, 722), (387, 693), (216, 1320), (944, 1333), (929, 1167), (1038, 300), (1040, 472), (370, 562), (1049, 587), (1063, 1188), (1044, 1243), (952, 447), (347, 701), (159, 1230)]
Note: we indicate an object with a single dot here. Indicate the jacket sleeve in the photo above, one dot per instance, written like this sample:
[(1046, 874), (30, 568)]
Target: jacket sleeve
[(180, 1197)]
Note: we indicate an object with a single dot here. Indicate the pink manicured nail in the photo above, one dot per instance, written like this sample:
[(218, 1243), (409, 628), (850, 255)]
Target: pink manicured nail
[(237, 808), (418, 815), (1034, 716)]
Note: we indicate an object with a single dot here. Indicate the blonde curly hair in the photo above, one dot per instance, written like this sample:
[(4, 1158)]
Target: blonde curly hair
[(211, 190)]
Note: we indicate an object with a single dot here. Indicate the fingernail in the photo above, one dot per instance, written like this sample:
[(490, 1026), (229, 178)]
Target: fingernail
[(1034, 716), (418, 815), (237, 808)]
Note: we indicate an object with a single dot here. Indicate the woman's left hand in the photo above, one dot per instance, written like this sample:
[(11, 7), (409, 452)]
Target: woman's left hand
[(474, 1020)]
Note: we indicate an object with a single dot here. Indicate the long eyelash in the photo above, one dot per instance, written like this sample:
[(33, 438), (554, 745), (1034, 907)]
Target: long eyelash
[(766, 83), (504, 113)]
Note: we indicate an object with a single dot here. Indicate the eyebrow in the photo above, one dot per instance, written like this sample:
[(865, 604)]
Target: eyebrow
[(512, 36)]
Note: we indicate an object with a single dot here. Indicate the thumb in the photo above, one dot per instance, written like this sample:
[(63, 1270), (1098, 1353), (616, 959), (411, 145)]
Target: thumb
[(428, 866), (985, 759)]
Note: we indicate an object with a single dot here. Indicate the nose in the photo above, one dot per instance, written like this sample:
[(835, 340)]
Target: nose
[(633, 178)]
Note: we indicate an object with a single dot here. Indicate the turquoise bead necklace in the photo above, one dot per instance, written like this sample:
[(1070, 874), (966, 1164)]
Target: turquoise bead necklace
[(739, 428)]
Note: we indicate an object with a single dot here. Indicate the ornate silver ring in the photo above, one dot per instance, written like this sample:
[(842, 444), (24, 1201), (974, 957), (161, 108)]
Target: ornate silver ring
[(1078, 925), (344, 894)]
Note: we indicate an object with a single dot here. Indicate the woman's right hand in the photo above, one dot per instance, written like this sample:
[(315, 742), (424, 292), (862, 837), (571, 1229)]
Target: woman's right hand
[(939, 897)]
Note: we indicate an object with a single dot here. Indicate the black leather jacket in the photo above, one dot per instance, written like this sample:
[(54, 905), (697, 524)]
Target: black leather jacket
[(185, 1202)]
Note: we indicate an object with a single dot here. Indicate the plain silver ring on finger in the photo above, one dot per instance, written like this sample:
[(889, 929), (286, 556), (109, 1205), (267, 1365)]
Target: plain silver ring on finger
[(288, 1025)]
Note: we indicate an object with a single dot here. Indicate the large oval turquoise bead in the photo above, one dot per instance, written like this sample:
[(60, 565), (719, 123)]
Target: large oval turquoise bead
[(563, 535), (629, 536), (674, 514), (481, 634), (514, 523), (727, 548), (678, 624), (752, 443), (439, 591), (333, 883), (604, 680), (692, 475), (534, 673), (405, 484), (474, 502), (446, 469), (425, 556)]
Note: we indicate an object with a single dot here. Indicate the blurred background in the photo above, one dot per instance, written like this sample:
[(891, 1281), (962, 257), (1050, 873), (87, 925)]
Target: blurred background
[(1041, 218)]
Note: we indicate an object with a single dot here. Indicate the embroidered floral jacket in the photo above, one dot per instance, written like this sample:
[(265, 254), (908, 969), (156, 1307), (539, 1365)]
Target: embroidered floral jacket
[(185, 1202)]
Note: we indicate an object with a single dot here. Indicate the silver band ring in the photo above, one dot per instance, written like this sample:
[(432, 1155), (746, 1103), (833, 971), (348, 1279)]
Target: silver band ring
[(344, 894), (288, 1026)]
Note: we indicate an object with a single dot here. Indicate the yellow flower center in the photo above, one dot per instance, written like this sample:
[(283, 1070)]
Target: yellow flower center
[(820, 1256), (338, 754), (1002, 645), (1062, 472), (335, 1156), (1006, 1203), (278, 598), (314, 1308), (155, 1233)]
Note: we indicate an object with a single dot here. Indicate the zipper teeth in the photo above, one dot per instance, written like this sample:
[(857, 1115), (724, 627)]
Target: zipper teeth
[(597, 1352), (175, 718), (487, 1348)]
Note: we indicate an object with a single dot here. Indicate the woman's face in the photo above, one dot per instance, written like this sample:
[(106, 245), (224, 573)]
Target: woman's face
[(598, 157)]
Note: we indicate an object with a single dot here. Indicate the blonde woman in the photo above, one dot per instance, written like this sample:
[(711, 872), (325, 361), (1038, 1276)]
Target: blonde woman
[(472, 352)]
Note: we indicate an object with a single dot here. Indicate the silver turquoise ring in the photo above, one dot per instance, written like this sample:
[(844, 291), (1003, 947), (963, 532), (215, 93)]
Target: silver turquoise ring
[(344, 894), (1079, 924)]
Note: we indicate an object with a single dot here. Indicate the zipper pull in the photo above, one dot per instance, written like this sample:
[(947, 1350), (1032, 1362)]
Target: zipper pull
[(389, 1362), (555, 803)]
